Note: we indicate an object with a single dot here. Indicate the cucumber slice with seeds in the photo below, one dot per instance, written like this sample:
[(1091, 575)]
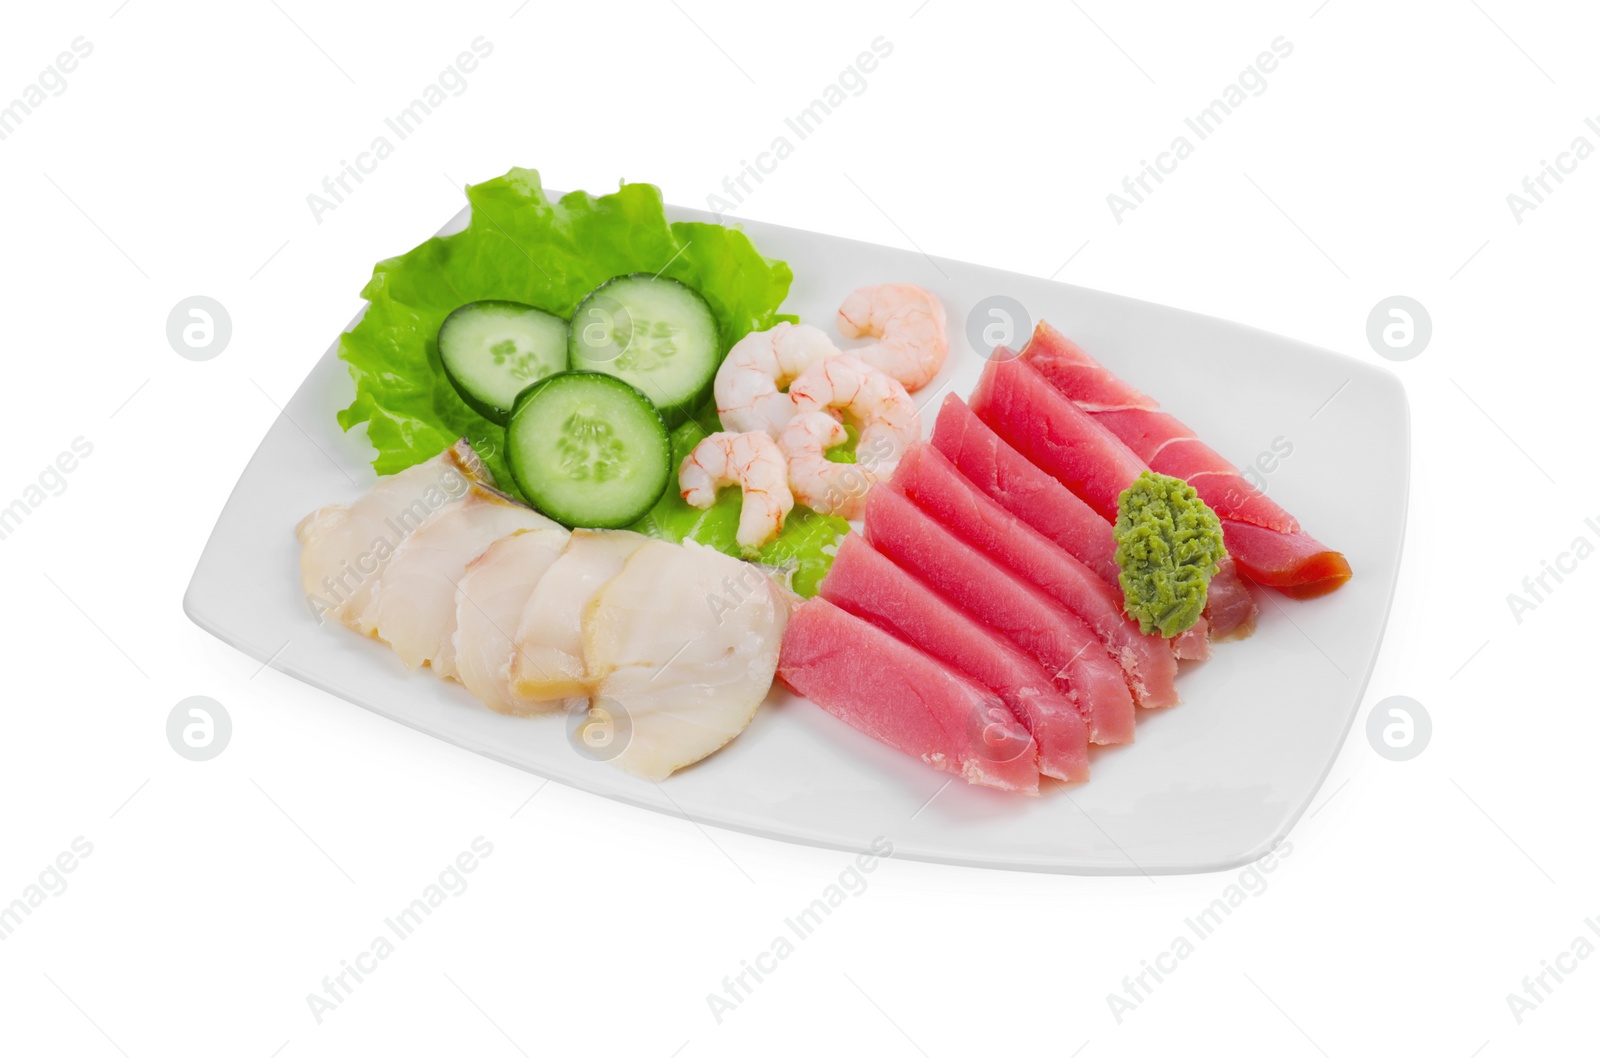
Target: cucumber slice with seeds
[(653, 333), (493, 350), (589, 450)]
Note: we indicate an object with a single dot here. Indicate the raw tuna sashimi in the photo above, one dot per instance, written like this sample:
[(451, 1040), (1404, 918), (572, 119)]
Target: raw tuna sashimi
[(1023, 489), (900, 696), (1172, 449), (1021, 405), (1019, 486), (1230, 608), (1192, 643), (875, 589), (1300, 567), (1294, 563), (934, 484), (1080, 376), (1154, 436), (994, 596)]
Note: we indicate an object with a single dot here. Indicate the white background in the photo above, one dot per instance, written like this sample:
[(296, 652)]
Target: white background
[(178, 161)]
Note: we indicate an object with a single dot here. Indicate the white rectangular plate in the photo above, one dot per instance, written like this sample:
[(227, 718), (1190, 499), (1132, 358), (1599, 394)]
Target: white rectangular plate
[(1209, 785)]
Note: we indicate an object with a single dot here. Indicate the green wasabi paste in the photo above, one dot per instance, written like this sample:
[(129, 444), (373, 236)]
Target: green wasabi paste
[(1168, 546)]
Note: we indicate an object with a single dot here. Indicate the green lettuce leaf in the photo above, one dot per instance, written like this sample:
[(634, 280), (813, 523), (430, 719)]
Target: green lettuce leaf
[(521, 246)]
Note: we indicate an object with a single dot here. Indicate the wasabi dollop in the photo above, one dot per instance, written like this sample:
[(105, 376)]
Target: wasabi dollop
[(1168, 546)]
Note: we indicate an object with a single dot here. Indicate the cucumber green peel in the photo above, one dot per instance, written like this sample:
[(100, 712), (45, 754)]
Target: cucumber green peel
[(1169, 544), (522, 246), (590, 450)]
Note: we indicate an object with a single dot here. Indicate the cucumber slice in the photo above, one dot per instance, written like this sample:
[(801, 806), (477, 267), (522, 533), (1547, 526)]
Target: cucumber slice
[(493, 350), (656, 334), (589, 450)]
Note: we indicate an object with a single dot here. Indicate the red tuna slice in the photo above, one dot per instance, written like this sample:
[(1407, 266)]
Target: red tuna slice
[(1294, 563), (1154, 436), (1230, 607), (992, 595), (1192, 643), (935, 485), (1079, 375), (876, 590), (1023, 489), (1159, 439), (900, 696), (1059, 437), (1169, 447)]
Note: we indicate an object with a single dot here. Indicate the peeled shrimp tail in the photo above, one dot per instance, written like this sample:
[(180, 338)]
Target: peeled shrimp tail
[(909, 323), (875, 400), (889, 425), (697, 484), (749, 384), (750, 460), (818, 482)]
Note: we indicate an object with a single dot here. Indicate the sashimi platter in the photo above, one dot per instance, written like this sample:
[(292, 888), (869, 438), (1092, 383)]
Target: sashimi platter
[(826, 541)]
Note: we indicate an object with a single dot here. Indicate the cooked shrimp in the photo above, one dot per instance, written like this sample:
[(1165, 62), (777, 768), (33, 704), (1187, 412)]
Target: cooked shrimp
[(749, 384), (750, 460), (909, 323), (880, 405), (818, 482)]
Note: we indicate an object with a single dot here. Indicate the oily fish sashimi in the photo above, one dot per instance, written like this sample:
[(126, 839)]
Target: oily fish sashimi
[(1049, 507), (344, 546), (893, 692), (931, 481), (677, 671), (988, 592), (870, 586), (490, 601), (990, 559), (1266, 541), (485, 590), (413, 607), (548, 664), (1051, 431), (400, 554)]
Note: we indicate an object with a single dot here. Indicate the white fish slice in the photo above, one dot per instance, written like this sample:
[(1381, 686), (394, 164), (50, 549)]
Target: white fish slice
[(548, 664), (413, 607), (680, 671), (489, 605), (344, 547)]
